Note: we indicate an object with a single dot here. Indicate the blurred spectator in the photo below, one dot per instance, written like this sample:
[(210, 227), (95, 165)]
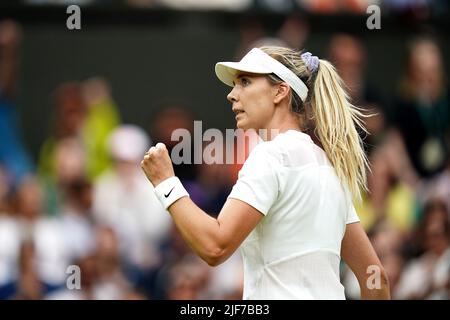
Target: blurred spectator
[(70, 115), (294, 31), (187, 279), (76, 219), (392, 185), (438, 187), (111, 282), (212, 186), (101, 119), (86, 112), (10, 242), (33, 251), (250, 30), (174, 250), (46, 234), (85, 116), (265, 41), (29, 286), (423, 108), (444, 293), (226, 280), (102, 277), (70, 161), (166, 121), (428, 273), (89, 274), (394, 265), (5, 192), (386, 239), (388, 244), (69, 165), (124, 200), (13, 154)]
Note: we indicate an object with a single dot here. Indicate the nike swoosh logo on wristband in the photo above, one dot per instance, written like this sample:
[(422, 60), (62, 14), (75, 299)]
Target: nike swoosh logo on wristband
[(166, 195)]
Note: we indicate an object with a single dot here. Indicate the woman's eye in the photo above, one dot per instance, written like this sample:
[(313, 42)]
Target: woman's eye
[(245, 81)]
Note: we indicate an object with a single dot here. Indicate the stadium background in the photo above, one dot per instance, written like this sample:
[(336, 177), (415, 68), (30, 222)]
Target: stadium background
[(150, 64)]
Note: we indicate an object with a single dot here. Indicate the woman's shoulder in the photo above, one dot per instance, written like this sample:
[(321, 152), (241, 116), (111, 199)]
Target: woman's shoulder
[(285, 146), (263, 155), (268, 149)]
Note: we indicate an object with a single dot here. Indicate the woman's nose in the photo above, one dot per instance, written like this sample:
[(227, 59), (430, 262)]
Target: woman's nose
[(232, 96)]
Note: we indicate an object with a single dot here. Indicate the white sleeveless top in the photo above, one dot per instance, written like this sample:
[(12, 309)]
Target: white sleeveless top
[(294, 251)]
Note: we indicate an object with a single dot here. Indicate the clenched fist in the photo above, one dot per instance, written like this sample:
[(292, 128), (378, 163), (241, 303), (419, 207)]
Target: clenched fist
[(157, 164)]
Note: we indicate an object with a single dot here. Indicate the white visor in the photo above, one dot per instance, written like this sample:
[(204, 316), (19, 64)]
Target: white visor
[(259, 62)]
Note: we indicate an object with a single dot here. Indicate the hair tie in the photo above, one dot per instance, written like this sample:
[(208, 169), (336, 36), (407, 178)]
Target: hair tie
[(311, 62)]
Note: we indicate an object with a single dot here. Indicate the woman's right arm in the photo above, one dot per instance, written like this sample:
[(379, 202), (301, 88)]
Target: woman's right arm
[(360, 256)]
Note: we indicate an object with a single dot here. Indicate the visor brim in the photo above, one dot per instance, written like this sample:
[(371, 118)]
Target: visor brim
[(227, 71)]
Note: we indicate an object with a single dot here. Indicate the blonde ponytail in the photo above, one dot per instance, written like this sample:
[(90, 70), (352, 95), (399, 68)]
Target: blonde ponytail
[(335, 120), (328, 110)]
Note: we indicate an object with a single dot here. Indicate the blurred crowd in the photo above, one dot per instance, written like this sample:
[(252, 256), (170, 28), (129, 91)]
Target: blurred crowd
[(86, 202), (417, 8)]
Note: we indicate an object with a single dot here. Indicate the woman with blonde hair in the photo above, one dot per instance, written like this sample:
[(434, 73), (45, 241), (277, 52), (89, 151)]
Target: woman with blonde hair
[(290, 211)]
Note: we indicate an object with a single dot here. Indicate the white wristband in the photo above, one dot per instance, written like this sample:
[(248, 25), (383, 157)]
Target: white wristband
[(169, 191)]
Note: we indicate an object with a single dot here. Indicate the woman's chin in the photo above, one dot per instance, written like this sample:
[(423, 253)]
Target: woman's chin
[(242, 125)]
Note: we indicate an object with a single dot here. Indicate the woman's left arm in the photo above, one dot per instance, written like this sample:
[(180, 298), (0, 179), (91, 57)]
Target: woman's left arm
[(214, 240), (359, 254)]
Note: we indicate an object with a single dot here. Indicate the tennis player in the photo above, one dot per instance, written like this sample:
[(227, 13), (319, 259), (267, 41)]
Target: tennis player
[(290, 211)]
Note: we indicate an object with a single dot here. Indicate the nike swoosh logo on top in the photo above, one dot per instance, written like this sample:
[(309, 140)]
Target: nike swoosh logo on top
[(166, 195)]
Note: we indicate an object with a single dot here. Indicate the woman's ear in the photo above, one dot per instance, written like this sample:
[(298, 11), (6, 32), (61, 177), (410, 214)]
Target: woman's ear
[(282, 92)]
